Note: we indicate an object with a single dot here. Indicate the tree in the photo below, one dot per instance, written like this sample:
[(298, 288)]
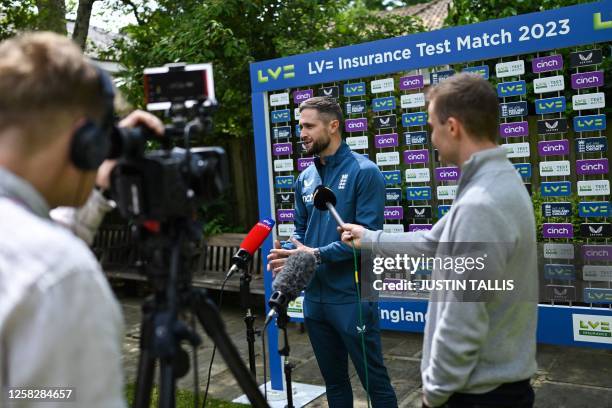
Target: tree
[(231, 34), (81, 24), (463, 12)]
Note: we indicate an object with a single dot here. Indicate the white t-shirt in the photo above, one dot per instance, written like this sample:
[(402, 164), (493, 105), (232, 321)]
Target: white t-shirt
[(60, 324)]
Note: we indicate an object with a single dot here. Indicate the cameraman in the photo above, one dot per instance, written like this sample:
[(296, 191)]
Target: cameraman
[(60, 324)]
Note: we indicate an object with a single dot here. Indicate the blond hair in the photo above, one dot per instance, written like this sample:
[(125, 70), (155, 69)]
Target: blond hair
[(46, 83)]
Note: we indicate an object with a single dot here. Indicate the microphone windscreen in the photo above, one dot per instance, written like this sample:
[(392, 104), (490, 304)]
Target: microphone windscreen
[(296, 274), (257, 235), (323, 195)]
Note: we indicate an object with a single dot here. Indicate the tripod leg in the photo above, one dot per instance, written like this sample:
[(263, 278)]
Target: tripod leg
[(167, 387), (209, 318), (146, 362)]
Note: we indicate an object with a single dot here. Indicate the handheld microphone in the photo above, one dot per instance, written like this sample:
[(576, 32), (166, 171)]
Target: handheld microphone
[(251, 243), (324, 199), (294, 277)]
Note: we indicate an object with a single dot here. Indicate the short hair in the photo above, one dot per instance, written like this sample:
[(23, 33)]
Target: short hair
[(325, 106), (46, 80), (472, 100)]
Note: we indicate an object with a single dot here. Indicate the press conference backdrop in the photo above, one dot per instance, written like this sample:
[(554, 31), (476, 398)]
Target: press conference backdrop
[(552, 73)]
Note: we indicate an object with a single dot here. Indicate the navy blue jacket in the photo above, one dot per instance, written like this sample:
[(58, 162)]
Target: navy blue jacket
[(360, 191)]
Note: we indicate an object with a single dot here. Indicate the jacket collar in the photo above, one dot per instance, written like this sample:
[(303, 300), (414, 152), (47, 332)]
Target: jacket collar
[(336, 158), (478, 160), (22, 192)]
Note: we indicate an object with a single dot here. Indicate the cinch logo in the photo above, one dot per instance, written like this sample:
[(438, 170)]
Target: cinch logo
[(588, 209), (287, 72), (523, 169), (281, 132), (408, 83), (553, 147), (555, 189), (597, 295), (356, 125), (547, 64), (584, 58), (285, 215), (512, 109), (560, 271), (394, 213), (305, 162), (418, 193), (283, 181), (592, 166), (482, 70), (514, 129), (414, 119), (416, 156), (514, 88), (584, 80), (416, 138), (556, 209), (281, 116), (383, 104), (281, 149), (419, 227), (356, 89), (301, 96), (447, 173), (550, 105), (388, 140), (393, 194), (597, 252), (443, 210), (392, 176), (590, 123), (557, 230)]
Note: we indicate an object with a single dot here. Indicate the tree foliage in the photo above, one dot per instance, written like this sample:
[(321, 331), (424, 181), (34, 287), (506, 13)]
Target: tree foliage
[(234, 33), (463, 12)]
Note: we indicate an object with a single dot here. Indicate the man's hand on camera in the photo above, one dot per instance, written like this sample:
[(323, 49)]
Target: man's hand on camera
[(146, 119), (136, 118), (352, 234)]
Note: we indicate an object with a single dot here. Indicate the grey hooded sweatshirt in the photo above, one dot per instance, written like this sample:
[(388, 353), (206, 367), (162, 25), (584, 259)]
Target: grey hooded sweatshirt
[(474, 347)]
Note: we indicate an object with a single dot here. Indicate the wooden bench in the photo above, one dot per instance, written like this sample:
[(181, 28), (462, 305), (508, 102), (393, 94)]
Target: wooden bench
[(115, 249)]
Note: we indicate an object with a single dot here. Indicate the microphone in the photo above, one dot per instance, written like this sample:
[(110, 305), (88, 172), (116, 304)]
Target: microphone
[(294, 277), (251, 243), (324, 199)]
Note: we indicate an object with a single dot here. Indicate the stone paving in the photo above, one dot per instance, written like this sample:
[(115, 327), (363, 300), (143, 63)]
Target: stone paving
[(566, 378)]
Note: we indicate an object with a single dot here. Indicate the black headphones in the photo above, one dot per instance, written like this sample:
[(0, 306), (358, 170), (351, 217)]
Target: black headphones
[(91, 142)]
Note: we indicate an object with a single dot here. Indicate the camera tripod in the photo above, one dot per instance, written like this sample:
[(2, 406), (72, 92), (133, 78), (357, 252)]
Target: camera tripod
[(162, 331)]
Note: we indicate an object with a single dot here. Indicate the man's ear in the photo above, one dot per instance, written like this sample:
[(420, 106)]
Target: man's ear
[(455, 128), (334, 126)]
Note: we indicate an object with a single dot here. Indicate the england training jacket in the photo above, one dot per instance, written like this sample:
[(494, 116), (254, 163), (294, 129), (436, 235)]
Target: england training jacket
[(360, 192)]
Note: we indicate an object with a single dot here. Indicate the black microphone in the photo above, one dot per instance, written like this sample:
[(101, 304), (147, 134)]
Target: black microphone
[(294, 277), (324, 199)]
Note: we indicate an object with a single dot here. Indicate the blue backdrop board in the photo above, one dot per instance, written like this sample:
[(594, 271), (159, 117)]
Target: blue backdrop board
[(549, 69)]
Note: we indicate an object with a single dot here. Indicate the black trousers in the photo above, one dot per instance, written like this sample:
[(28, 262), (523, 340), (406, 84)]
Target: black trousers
[(510, 395)]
